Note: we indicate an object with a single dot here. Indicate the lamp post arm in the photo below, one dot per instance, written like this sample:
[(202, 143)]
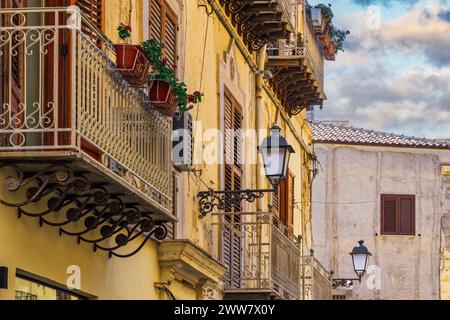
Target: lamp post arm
[(344, 282), (227, 199)]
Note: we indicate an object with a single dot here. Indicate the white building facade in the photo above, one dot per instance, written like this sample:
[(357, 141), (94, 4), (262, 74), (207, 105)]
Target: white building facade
[(391, 191)]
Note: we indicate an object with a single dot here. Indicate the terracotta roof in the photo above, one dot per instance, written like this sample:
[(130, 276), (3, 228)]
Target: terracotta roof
[(340, 133)]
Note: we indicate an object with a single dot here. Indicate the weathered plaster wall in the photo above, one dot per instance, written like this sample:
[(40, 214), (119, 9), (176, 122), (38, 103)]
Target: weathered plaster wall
[(445, 232), (210, 72), (346, 208)]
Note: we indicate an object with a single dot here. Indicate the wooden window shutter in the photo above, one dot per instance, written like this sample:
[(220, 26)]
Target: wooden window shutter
[(92, 9), (389, 215), (170, 39), (155, 23), (290, 202), (171, 225), (232, 145), (406, 215), (282, 202), (397, 215), (182, 141), (231, 234), (13, 70), (163, 26), (275, 200)]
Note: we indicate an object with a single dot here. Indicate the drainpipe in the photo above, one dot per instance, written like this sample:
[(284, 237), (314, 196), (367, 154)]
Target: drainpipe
[(259, 115), (259, 77)]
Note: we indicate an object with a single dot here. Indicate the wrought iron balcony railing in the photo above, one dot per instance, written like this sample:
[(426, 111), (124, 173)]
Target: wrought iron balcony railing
[(61, 95), (262, 256), (316, 280)]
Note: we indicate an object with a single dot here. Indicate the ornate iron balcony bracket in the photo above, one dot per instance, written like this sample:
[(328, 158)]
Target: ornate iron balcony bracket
[(228, 199), (67, 200), (345, 283)]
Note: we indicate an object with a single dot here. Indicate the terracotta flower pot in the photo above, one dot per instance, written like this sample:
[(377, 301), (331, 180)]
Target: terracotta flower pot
[(325, 40), (330, 52), (162, 98), (132, 63)]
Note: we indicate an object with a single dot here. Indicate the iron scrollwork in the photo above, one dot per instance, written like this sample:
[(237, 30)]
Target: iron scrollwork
[(244, 16), (346, 283), (82, 209), (226, 200)]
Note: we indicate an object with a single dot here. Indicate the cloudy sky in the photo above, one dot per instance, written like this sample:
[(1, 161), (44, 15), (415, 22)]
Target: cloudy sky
[(395, 77)]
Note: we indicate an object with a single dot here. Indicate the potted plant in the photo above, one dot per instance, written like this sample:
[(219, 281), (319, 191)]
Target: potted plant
[(338, 37), (131, 60), (167, 93), (326, 11), (321, 15), (329, 52), (334, 42)]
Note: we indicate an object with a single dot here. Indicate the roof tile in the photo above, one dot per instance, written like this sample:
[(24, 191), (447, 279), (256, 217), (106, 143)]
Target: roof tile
[(326, 132)]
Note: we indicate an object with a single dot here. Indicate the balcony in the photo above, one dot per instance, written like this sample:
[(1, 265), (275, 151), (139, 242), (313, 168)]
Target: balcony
[(261, 21), (298, 69), (70, 124), (262, 256)]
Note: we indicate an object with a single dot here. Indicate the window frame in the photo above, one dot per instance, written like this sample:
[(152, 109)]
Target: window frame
[(398, 197), (31, 277)]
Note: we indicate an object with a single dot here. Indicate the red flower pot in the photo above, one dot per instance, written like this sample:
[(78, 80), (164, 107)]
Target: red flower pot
[(162, 98), (132, 63), (326, 40), (330, 52)]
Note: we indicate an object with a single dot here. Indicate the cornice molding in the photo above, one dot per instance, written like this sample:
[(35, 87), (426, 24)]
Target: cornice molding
[(182, 260)]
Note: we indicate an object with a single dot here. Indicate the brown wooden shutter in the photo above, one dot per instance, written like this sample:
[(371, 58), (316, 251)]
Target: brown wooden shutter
[(397, 215), (155, 23), (92, 9), (406, 215), (170, 40), (290, 202), (389, 215), (163, 26), (13, 72), (232, 236), (171, 225), (17, 64), (282, 201), (275, 200)]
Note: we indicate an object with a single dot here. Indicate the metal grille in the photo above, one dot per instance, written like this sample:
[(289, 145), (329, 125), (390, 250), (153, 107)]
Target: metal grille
[(99, 108), (20, 295), (270, 259)]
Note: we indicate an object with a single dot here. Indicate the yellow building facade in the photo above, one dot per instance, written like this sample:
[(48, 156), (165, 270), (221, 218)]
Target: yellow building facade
[(85, 158)]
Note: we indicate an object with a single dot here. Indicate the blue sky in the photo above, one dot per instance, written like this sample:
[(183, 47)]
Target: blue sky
[(395, 77)]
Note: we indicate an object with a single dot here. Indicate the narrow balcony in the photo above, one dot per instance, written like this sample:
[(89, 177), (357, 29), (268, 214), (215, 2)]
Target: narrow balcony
[(70, 123), (297, 66), (261, 21), (263, 258), (316, 280)]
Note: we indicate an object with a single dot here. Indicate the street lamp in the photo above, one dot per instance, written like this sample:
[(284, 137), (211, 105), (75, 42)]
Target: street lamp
[(360, 258), (275, 152)]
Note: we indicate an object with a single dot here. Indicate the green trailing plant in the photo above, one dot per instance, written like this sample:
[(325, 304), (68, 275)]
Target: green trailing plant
[(153, 51), (338, 37)]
